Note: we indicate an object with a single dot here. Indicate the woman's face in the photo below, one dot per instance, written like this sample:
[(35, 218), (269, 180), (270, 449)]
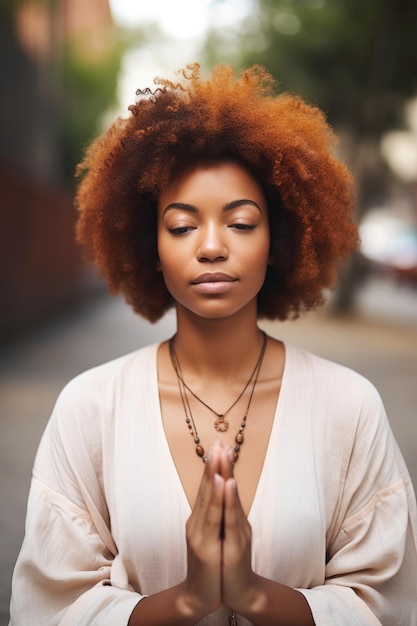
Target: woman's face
[(213, 239)]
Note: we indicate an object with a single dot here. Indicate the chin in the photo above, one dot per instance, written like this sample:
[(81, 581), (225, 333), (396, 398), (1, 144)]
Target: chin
[(218, 311)]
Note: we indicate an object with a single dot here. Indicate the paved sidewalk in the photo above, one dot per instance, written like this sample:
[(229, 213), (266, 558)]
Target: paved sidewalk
[(33, 372)]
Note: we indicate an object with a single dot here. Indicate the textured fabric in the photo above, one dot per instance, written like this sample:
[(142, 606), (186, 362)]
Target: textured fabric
[(334, 514)]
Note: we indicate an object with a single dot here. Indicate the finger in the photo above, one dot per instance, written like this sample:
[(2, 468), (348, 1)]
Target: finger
[(235, 519), (212, 466), (208, 509), (208, 516), (232, 500), (204, 547), (213, 524), (205, 523), (214, 517), (237, 547), (226, 462)]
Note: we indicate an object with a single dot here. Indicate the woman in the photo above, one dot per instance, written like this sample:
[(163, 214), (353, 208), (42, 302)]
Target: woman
[(220, 477)]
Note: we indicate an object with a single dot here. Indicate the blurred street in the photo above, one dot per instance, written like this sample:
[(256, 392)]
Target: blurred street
[(33, 371), (70, 68)]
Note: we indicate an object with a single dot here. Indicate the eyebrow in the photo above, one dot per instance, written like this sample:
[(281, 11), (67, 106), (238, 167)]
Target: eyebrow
[(229, 206)]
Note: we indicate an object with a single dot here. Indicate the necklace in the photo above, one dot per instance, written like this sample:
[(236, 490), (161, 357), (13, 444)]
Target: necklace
[(232, 619), (189, 419), (221, 424)]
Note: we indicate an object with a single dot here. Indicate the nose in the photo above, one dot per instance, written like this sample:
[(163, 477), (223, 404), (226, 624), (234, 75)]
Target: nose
[(212, 245)]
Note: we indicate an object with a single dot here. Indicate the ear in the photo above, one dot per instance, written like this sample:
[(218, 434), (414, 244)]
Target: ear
[(158, 266)]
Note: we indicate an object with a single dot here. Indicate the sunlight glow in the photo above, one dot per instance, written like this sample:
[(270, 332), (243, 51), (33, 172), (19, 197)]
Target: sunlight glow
[(187, 19), (183, 24)]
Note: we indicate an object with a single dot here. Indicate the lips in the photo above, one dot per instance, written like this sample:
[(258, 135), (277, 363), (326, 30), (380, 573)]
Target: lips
[(213, 284), (213, 277)]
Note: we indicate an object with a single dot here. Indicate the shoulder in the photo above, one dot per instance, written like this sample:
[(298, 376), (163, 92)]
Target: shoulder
[(105, 379), (94, 399), (85, 417), (327, 379), (342, 404), (344, 416)]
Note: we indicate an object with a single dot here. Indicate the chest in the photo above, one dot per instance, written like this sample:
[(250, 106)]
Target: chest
[(288, 486), (183, 427), (149, 504)]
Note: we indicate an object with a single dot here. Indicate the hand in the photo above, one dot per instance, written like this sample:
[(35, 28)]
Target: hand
[(203, 533), (239, 580), (218, 539)]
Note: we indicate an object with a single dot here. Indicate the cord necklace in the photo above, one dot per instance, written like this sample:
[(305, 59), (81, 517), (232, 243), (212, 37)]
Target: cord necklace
[(189, 418)]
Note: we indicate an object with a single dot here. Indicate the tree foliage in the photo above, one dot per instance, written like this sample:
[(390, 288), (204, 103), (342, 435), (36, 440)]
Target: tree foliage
[(87, 89), (357, 60)]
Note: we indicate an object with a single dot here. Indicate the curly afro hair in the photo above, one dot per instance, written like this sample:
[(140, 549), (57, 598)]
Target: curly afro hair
[(282, 141)]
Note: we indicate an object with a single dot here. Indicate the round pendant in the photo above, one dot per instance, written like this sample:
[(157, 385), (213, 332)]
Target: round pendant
[(221, 425)]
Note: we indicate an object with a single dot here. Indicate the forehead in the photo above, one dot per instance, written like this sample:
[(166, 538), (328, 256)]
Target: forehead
[(222, 180)]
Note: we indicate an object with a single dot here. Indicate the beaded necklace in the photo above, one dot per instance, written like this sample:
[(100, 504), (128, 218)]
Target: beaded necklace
[(221, 424), (189, 419)]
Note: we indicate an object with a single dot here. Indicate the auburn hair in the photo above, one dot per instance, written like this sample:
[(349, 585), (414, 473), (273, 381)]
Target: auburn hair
[(285, 144)]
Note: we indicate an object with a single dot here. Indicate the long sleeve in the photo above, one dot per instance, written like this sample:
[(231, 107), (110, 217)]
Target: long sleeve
[(370, 576), (67, 573), (334, 515), (371, 569), (106, 513)]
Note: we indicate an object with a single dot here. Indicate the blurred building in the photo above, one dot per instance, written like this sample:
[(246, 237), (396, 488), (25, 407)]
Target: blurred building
[(41, 270)]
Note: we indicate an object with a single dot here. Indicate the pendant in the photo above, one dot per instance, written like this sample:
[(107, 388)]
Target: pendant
[(232, 619), (221, 424)]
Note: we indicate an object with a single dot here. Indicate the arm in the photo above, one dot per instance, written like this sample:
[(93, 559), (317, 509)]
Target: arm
[(171, 607), (63, 572), (380, 543), (68, 564), (264, 602), (200, 593), (371, 568), (261, 601)]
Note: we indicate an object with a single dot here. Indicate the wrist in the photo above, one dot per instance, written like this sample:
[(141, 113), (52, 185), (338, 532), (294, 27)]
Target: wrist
[(189, 605), (255, 601), (250, 600), (171, 607), (271, 603)]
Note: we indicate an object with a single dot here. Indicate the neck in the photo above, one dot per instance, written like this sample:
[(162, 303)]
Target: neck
[(218, 348)]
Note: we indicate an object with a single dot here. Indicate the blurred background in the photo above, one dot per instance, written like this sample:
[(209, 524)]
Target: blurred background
[(69, 67)]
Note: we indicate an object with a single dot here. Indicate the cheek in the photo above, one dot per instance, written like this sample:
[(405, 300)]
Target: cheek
[(165, 253), (261, 253), (170, 263), (170, 278)]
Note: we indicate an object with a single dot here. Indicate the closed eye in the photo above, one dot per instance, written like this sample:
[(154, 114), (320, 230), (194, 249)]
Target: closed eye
[(239, 226), (180, 230)]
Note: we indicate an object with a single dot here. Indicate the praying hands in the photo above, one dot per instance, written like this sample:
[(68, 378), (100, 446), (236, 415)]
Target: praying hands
[(219, 555), (219, 538)]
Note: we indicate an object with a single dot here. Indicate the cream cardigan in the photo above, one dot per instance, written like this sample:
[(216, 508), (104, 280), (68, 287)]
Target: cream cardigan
[(334, 514)]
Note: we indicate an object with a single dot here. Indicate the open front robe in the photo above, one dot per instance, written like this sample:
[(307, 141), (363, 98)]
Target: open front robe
[(334, 514)]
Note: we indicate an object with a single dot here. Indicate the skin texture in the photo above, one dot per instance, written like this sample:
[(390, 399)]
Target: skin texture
[(211, 219), (226, 229)]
